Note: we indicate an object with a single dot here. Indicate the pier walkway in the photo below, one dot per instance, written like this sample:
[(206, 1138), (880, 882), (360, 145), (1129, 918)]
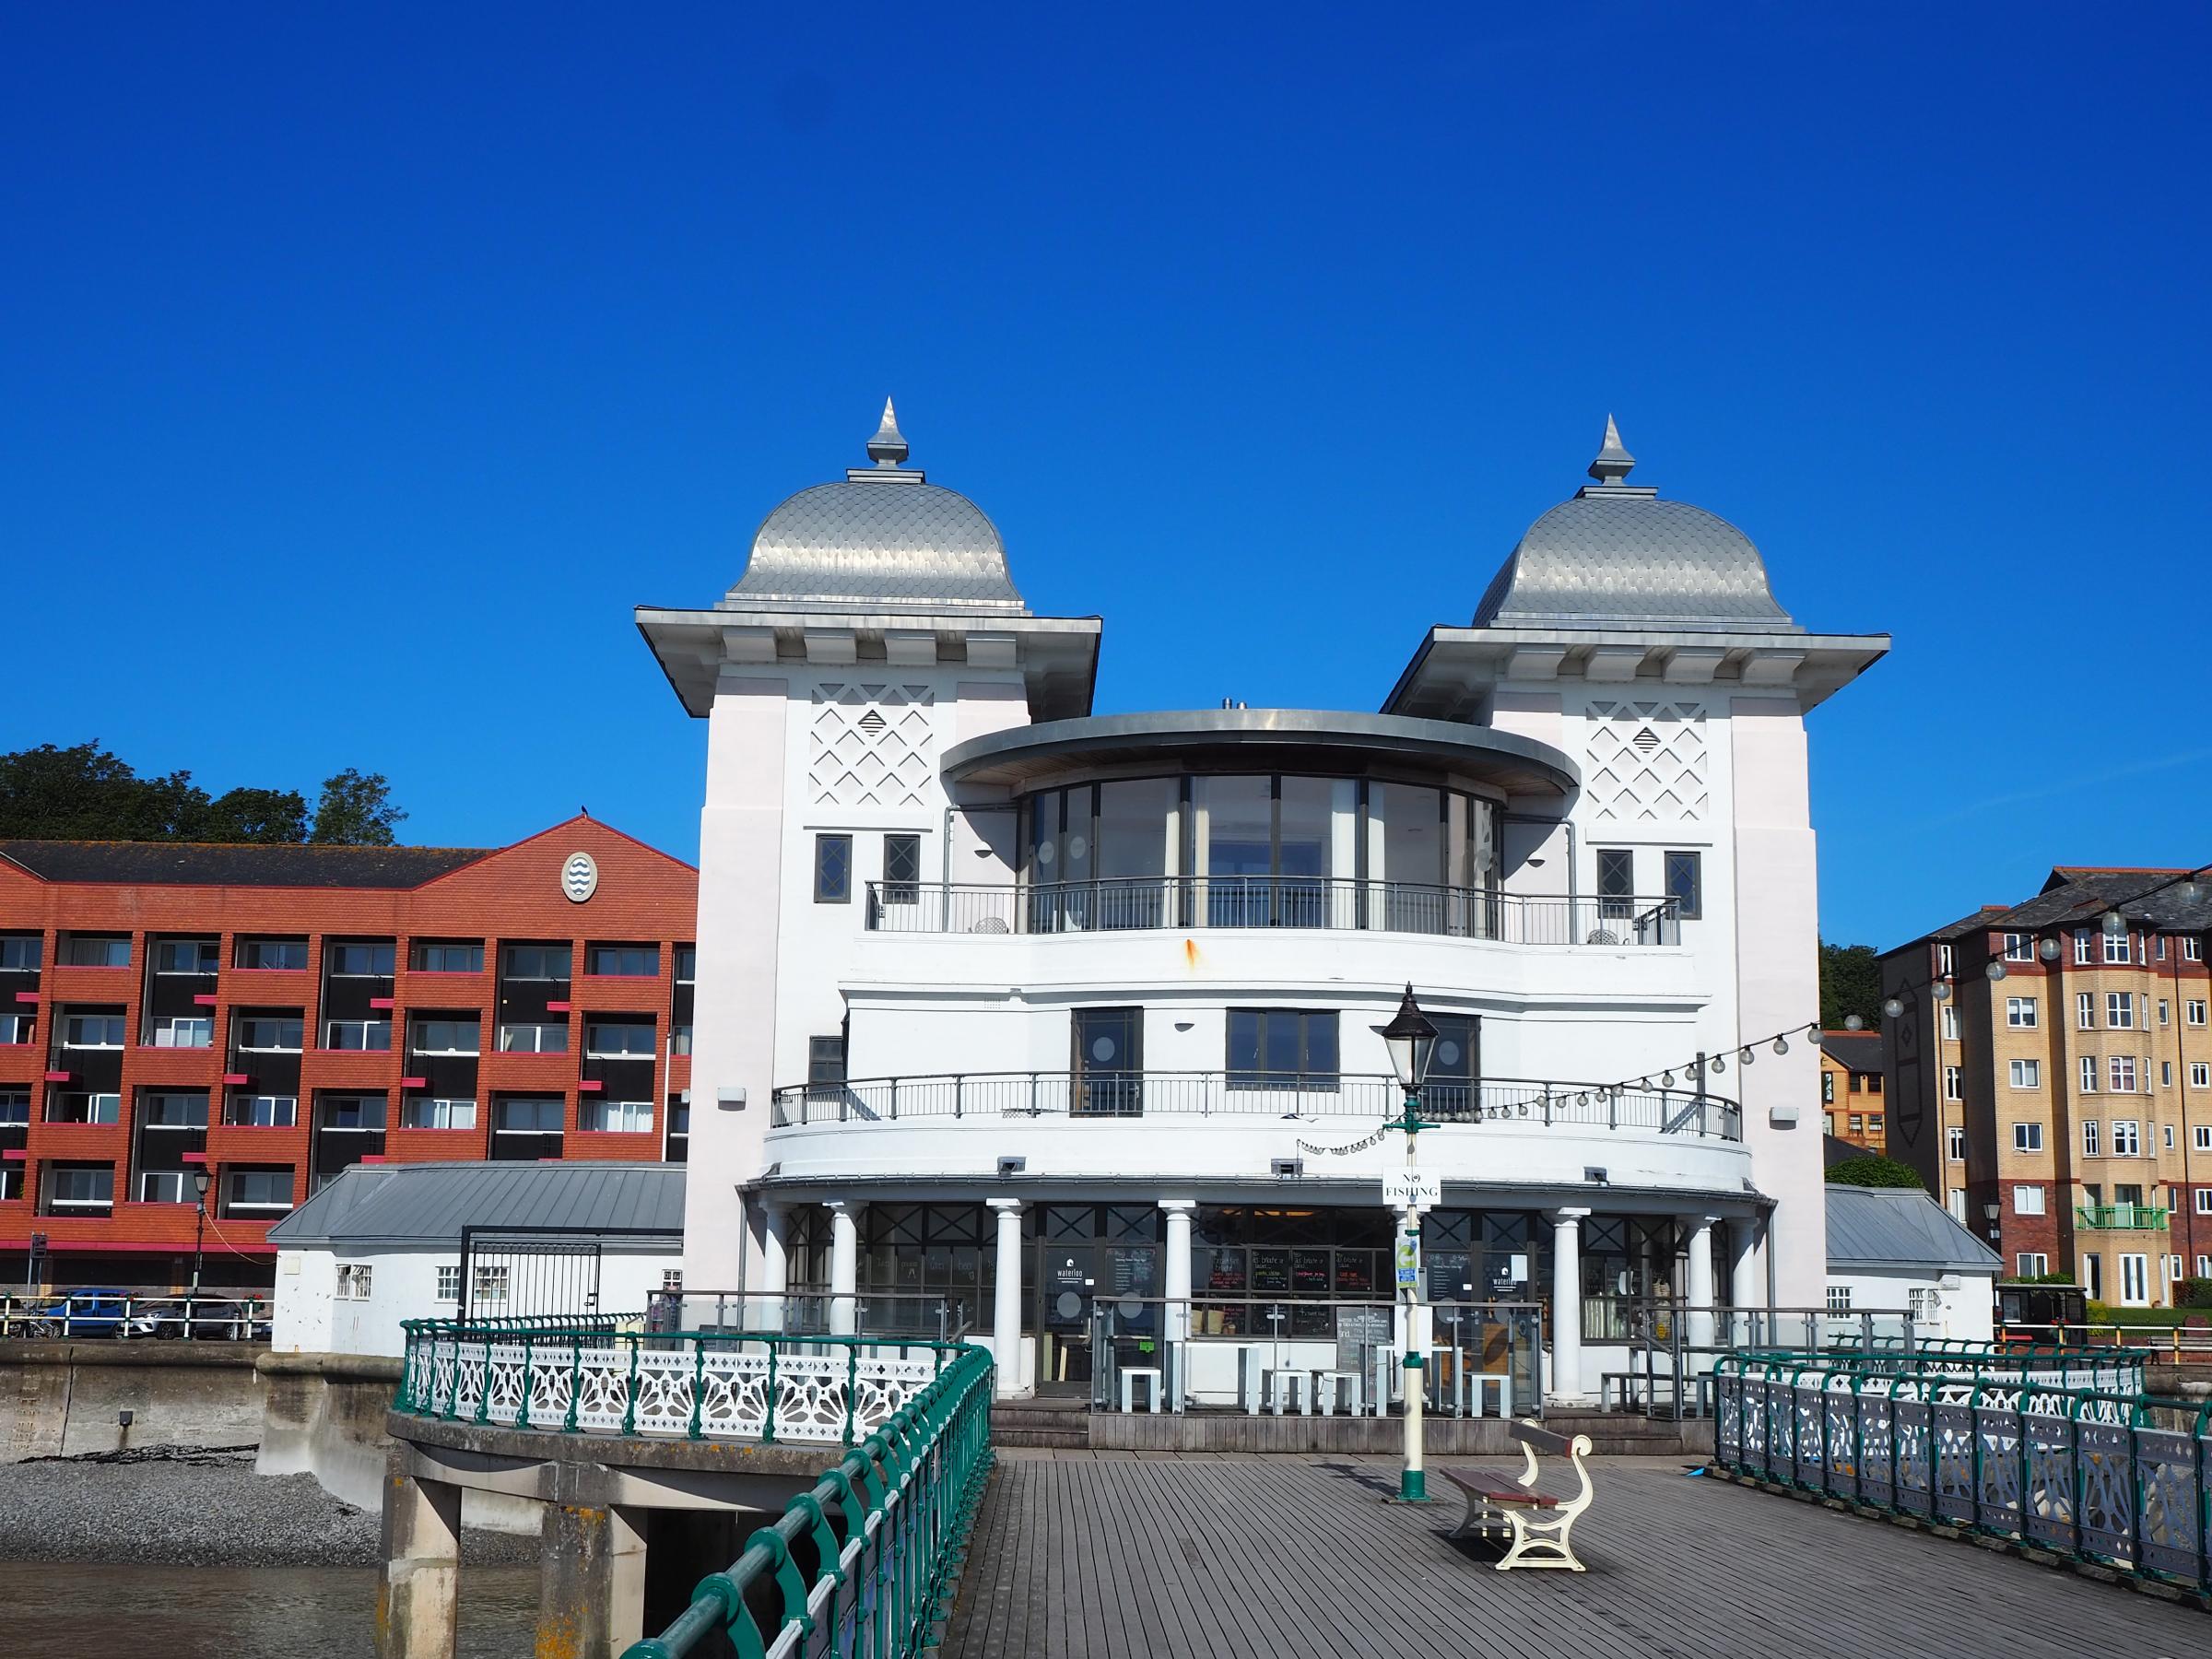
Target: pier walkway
[(1088, 1554)]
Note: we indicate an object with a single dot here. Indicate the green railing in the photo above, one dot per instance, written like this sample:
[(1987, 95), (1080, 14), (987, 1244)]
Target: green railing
[(2116, 1478), (865, 1563), (2122, 1217)]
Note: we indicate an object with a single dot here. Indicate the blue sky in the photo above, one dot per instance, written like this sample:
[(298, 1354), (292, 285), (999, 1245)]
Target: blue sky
[(363, 369)]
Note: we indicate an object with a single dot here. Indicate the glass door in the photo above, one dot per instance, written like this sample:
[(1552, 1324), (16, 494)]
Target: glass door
[(1109, 1063)]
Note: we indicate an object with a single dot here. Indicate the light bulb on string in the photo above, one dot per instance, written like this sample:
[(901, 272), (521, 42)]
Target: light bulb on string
[(2048, 951), (1720, 1063), (1745, 1056), (1995, 971), (1893, 1007), (1782, 1045), (1667, 1081), (1852, 1022)]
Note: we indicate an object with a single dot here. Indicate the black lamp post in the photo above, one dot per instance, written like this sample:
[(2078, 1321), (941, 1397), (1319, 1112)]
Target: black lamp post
[(200, 1178), (1410, 1040)]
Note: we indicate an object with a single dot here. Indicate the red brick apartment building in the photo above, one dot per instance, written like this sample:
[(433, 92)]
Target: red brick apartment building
[(272, 1014)]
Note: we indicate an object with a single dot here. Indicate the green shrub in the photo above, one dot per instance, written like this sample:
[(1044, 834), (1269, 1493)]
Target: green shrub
[(1872, 1170), (2196, 1293)]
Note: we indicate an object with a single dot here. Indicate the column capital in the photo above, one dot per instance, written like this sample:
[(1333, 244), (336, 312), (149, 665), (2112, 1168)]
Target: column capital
[(1702, 1223), (1568, 1215), (1006, 1207), (845, 1206), (1183, 1206)]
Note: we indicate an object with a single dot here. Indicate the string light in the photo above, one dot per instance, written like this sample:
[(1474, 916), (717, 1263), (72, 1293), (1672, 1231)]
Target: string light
[(1782, 1045), (1689, 1070)]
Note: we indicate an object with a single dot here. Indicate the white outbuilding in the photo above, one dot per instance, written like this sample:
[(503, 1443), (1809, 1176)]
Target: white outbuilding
[(1892, 1248), (388, 1243)]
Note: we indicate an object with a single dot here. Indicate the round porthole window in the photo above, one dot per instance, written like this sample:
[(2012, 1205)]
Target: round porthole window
[(1102, 1049), (1448, 1055), (1078, 846), (1069, 1306), (1044, 853)]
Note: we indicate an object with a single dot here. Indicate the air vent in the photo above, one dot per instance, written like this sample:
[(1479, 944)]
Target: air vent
[(1646, 741), (873, 723)]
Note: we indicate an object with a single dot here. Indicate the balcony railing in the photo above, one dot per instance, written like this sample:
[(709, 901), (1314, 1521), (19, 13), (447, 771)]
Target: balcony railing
[(1186, 901), (1151, 1094), (2122, 1217)]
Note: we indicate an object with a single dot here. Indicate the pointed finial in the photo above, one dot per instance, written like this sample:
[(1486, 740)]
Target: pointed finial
[(1612, 463), (887, 448)]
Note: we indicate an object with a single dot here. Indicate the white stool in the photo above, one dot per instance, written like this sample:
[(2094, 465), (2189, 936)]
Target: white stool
[(1130, 1373), (1484, 1381), (1331, 1386), (1290, 1382)]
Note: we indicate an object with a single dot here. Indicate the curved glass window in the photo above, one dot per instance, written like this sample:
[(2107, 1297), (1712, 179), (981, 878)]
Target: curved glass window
[(1259, 849)]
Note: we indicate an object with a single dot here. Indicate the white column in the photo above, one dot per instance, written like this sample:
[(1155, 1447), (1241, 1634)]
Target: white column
[(1698, 1293), (1565, 1383), (844, 1264), (1005, 1303), (1176, 1281), (1749, 1292), (775, 1268)]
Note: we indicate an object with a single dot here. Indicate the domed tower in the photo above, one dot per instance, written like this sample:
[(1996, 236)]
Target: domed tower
[(1641, 637)]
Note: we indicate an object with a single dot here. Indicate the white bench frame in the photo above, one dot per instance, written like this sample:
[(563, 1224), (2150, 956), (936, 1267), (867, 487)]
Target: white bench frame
[(1540, 1534)]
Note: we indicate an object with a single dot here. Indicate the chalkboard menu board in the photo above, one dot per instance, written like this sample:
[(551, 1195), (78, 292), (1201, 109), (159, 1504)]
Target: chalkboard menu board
[(1358, 1329)]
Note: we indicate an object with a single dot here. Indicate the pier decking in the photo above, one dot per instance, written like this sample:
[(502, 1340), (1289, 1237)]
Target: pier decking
[(1078, 1555)]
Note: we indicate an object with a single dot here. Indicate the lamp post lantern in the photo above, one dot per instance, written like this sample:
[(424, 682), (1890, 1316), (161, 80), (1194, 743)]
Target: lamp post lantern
[(1410, 1040), (200, 1179)]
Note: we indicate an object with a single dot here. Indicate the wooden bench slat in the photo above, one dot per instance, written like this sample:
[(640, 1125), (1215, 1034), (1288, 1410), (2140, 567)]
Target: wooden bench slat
[(1499, 1487)]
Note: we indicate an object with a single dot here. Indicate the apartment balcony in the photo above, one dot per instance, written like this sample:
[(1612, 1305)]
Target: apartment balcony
[(1312, 903), (2121, 1217)]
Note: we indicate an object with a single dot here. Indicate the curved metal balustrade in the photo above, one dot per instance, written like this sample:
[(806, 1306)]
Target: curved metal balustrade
[(1293, 902), (1983, 1441), (1179, 1095), (612, 1376)]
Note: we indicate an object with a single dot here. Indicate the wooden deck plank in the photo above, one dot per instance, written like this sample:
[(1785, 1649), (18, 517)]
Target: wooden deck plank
[(1298, 1556)]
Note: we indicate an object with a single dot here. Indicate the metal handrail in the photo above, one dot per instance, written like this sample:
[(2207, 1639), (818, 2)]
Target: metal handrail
[(2123, 1218), (1120, 903), (139, 1314), (885, 1530), (1148, 1094)]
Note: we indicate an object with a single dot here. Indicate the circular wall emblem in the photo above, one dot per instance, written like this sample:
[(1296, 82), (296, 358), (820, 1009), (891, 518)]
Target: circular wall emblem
[(579, 877)]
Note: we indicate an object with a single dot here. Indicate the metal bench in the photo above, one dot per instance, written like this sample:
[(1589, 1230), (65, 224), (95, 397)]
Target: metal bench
[(1538, 1521)]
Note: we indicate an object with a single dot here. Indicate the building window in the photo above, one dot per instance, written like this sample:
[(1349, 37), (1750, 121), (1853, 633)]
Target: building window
[(16, 1029), (362, 1036), (289, 955), (680, 1040), (96, 950), (1954, 1142), (2118, 947), (619, 1117), (2120, 1010), (1954, 1083), (2123, 1074), (1955, 1202), (269, 1034), (2026, 1138), (623, 961), (2169, 1133), (1950, 1022), (1282, 1048), (523, 1037), (2032, 1264), (353, 1112), (832, 869), (2165, 1073), (2165, 1012), (687, 964), (2194, 1012), (354, 1279), (2082, 938), (447, 1036), (194, 957), (824, 1061), (1943, 961), (625, 1041), (2089, 1074), (1827, 1087), (1828, 1123), (1686, 884), (264, 1111), (425, 1111), (2200, 1074), (2092, 1139), (77, 1189), (2020, 1013), (2027, 1073), (185, 1031), (2127, 1138), (1858, 1123), (21, 953), (2202, 1202), (15, 1107), (2027, 1200), (92, 1031), (1874, 1082), (165, 1186), (490, 1283), (1858, 1082), (2085, 1010), (536, 961), (529, 1116), (449, 955), (1874, 1122), (1839, 1298), (84, 1108), (2020, 948), (2192, 949), (902, 869), (360, 960), (1615, 881), (449, 1281)]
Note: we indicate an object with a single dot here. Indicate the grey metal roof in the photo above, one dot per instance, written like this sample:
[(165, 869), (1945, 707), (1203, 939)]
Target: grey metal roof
[(1899, 1227), (885, 538), (401, 1205), (195, 863), (1616, 556), (1856, 1051)]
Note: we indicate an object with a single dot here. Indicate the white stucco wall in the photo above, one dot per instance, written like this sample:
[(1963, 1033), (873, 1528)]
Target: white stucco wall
[(1966, 1301)]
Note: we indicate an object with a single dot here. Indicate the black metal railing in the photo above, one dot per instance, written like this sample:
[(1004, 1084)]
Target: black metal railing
[(1314, 902), (1151, 1094)]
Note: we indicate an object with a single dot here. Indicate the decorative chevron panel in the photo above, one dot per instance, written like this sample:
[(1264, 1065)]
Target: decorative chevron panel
[(1647, 763), (871, 745)]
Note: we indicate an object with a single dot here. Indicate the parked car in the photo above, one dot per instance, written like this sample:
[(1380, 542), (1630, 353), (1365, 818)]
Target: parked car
[(214, 1319), (92, 1311)]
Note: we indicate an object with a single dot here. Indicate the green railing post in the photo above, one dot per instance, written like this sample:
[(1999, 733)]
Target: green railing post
[(852, 1387), (629, 1403), (521, 1416)]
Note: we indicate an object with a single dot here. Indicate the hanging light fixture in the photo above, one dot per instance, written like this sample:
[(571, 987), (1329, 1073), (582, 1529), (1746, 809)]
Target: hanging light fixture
[(1782, 1045), (1666, 1080), (1995, 971), (2114, 923), (2188, 890), (1720, 1063), (1745, 1054), (2048, 951), (1852, 1022), (1942, 989), (1893, 1007)]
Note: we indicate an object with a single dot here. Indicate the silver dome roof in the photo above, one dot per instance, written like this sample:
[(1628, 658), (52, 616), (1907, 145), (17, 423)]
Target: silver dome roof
[(884, 539), (1616, 556)]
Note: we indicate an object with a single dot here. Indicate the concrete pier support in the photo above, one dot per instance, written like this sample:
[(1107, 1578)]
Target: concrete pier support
[(591, 1596), (418, 1598)]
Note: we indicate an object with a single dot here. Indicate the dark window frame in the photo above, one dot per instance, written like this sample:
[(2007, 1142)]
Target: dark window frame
[(833, 880), (901, 867), (1307, 1076), (1690, 907)]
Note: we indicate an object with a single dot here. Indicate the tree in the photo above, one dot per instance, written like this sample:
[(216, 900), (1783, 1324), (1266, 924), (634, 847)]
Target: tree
[(1872, 1170), (1851, 983), (84, 793), (355, 810), (264, 815)]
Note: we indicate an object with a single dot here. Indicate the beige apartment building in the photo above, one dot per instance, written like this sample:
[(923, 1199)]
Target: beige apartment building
[(2050, 1075), (1853, 1105)]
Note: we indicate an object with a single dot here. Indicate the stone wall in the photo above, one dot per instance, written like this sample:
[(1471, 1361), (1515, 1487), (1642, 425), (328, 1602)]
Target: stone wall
[(63, 1399)]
